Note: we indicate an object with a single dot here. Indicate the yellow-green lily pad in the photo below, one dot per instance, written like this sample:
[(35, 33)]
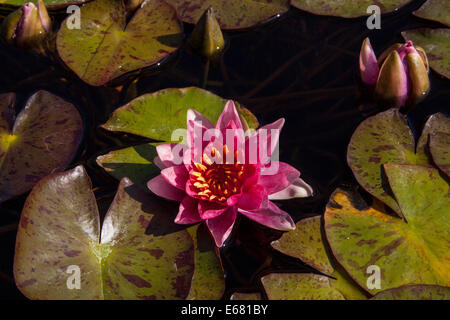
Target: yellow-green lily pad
[(107, 46), (157, 115), (415, 292), (386, 137), (410, 251)]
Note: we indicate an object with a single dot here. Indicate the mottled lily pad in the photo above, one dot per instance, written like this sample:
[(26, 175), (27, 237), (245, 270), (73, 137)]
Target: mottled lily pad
[(135, 162), (414, 251), (231, 14), (345, 8), (50, 4), (384, 138), (138, 254), (415, 292), (208, 281), (169, 107), (436, 43), (308, 244), (299, 286), (436, 10), (107, 46), (440, 151), (42, 139)]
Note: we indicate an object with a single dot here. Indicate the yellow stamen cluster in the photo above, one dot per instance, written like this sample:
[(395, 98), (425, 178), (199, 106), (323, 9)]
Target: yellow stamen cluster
[(217, 182)]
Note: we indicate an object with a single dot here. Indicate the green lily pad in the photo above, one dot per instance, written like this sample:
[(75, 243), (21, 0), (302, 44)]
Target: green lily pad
[(299, 286), (208, 281), (246, 296), (138, 254), (156, 115), (436, 43), (415, 292), (231, 14), (436, 10), (134, 162), (346, 9), (49, 4), (412, 252), (107, 46), (308, 244), (43, 139), (384, 138), (440, 151)]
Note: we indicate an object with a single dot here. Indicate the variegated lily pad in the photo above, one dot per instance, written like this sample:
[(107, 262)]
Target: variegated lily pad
[(440, 151), (61, 253), (414, 251), (345, 8), (135, 162), (42, 139), (384, 138), (307, 244), (107, 46), (436, 43), (231, 14), (436, 10), (415, 292), (170, 107)]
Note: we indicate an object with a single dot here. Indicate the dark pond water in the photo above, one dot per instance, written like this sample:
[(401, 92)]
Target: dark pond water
[(300, 67)]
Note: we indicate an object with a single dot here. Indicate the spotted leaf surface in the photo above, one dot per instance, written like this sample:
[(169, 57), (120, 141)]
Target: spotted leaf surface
[(347, 9), (436, 43), (42, 139), (106, 46), (231, 14), (307, 243), (299, 286), (169, 106), (415, 292), (436, 10), (440, 151), (412, 252), (384, 138), (138, 254), (135, 162), (208, 282)]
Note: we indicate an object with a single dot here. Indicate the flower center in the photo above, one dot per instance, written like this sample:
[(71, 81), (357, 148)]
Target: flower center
[(217, 182)]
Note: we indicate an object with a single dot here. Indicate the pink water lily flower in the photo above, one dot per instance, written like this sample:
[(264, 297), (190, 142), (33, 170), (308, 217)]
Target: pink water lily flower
[(216, 177)]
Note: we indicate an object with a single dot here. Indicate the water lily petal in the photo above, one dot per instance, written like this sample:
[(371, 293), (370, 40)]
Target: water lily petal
[(193, 115), (283, 178), (221, 226), (170, 154), (229, 113), (162, 188), (271, 216), (252, 198), (176, 176), (298, 189), (188, 212), (157, 162), (210, 210)]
